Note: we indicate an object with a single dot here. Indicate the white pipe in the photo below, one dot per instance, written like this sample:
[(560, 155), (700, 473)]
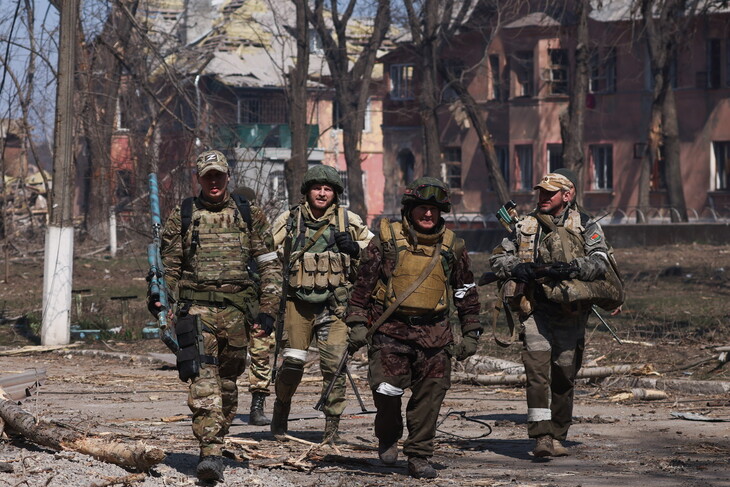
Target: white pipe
[(57, 284), (112, 233)]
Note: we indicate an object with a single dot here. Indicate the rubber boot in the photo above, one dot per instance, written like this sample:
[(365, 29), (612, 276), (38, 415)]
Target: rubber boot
[(280, 419), (256, 416), (331, 429), (420, 468), (210, 468)]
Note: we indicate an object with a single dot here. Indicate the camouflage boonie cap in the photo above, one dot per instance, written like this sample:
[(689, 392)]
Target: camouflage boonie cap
[(211, 160), (554, 182)]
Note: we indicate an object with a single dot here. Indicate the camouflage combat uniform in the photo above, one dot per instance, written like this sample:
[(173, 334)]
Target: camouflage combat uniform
[(206, 271), (412, 350), (553, 334), (316, 309)]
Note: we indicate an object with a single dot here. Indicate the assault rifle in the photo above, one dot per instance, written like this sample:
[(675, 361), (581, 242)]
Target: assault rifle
[(559, 271), (156, 276)]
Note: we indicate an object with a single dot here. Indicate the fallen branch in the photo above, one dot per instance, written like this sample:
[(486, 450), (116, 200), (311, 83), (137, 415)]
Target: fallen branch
[(138, 456), (125, 480), (588, 372), (37, 348)]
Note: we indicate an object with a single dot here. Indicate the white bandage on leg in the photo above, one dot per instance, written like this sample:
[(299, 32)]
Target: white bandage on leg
[(538, 414), (388, 390), (296, 354)]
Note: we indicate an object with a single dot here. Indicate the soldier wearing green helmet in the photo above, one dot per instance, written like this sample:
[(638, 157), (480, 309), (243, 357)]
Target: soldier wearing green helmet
[(323, 241), (410, 275)]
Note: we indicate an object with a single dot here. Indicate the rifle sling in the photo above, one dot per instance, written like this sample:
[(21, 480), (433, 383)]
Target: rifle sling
[(424, 274), (510, 322)]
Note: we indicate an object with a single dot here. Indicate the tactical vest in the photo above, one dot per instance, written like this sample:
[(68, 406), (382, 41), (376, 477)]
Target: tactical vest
[(317, 266), (563, 244), (217, 248), (408, 262)]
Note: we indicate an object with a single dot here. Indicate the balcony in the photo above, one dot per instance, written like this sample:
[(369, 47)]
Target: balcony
[(261, 135)]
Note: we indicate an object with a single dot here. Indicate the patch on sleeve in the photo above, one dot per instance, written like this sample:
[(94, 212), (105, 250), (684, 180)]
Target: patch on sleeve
[(595, 238)]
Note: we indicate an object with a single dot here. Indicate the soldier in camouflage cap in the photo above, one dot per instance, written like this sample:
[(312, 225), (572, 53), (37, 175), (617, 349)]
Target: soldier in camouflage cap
[(324, 241), (552, 332), (206, 245)]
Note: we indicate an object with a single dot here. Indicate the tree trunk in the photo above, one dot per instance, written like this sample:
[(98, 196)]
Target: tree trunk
[(675, 189), (428, 97), (139, 456), (296, 166), (572, 120)]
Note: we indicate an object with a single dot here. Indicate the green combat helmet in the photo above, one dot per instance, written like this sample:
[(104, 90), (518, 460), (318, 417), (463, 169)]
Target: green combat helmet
[(323, 175), (427, 191)]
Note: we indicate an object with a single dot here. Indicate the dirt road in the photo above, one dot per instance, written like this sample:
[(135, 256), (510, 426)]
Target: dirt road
[(628, 444)]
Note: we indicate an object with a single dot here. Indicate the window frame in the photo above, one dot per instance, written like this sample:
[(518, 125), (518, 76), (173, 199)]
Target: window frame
[(602, 153), (526, 166), (451, 167), (401, 74)]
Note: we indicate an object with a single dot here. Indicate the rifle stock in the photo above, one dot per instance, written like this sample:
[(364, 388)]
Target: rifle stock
[(282, 302), (156, 276), (341, 367)]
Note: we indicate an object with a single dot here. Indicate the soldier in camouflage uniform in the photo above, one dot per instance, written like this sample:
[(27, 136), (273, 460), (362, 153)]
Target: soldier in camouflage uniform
[(324, 242), (205, 269), (552, 333), (259, 349), (413, 346)]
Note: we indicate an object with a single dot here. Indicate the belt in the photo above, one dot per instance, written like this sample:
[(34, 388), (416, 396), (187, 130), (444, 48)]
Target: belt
[(422, 320), (212, 299)]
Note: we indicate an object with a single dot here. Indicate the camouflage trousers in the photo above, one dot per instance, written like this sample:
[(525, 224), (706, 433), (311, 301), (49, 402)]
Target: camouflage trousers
[(213, 394), (552, 354), (259, 370), (305, 322), (394, 366)]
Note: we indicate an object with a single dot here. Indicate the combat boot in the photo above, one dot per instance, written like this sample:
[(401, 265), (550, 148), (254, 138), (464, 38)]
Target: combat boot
[(331, 429), (543, 446), (388, 453), (280, 419), (256, 416), (210, 468), (559, 450), (420, 468)]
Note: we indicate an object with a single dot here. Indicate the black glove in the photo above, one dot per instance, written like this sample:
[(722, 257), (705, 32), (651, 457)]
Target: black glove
[(561, 271), (524, 272), (467, 347), (265, 322), (357, 338), (155, 310), (346, 244)]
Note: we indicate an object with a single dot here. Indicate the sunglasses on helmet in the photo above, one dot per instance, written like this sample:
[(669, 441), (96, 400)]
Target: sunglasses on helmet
[(427, 192)]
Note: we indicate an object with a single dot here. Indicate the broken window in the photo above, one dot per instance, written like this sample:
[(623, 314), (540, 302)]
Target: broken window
[(603, 71), (496, 78), (602, 156), (524, 166), (401, 82), (523, 66), (451, 167), (558, 72), (555, 157)]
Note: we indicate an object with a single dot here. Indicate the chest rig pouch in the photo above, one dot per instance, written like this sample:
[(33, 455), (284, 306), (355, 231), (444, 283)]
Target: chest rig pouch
[(218, 248), (319, 271), (432, 296)]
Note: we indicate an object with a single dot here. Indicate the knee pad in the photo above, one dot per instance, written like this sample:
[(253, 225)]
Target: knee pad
[(291, 372)]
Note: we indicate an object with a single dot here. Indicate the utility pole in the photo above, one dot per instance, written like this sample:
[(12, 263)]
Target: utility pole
[(58, 261)]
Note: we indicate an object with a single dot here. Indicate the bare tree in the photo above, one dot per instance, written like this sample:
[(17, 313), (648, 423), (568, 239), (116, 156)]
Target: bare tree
[(665, 25), (573, 118), (351, 80)]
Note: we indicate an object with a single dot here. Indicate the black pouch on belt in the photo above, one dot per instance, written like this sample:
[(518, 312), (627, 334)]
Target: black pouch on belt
[(190, 338)]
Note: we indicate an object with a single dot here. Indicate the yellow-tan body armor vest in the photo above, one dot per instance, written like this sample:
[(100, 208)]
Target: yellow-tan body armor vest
[(432, 296)]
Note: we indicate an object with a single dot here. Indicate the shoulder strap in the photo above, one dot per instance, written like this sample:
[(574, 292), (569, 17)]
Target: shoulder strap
[(244, 208), (186, 215)]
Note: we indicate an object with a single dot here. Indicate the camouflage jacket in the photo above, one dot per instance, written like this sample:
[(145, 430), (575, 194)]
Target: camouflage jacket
[(515, 249), (363, 308), (179, 254)]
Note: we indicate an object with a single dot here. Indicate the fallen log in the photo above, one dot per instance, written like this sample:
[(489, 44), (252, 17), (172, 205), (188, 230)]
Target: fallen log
[(138, 456), (586, 373)]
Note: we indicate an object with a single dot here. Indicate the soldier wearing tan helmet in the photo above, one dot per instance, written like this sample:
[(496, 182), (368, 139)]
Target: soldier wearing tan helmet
[(563, 240), (323, 241), (411, 273), (206, 244)]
